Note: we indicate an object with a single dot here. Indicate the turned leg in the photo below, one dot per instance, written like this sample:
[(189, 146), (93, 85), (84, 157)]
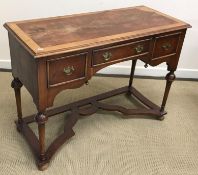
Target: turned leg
[(41, 119), (132, 72), (16, 84), (170, 77)]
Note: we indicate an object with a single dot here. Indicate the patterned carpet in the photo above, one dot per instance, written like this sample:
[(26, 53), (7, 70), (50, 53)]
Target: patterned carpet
[(106, 144)]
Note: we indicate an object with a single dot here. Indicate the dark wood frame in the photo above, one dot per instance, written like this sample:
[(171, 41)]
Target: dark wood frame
[(37, 145)]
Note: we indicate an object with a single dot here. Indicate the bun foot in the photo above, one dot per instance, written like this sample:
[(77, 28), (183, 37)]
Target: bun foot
[(162, 113), (42, 165), (161, 118)]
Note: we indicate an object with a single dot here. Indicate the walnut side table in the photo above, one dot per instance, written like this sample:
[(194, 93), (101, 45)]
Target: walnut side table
[(53, 54)]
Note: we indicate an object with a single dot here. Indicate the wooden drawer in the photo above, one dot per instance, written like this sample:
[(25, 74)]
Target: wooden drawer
[(66, 69), (120, 52), (166, 45)]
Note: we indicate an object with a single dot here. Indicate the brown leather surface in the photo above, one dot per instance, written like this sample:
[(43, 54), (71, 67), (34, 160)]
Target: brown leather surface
[(65, 30)]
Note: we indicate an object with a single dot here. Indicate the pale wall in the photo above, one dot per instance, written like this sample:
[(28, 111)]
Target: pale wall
[(11, 10)]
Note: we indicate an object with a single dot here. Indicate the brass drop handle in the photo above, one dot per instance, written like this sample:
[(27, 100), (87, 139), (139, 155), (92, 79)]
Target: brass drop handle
[(166, 46), (107, 56), (139, 48), (68, 70)]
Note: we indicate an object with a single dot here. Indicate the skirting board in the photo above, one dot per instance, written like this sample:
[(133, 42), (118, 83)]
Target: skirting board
[(140, 71), (5, 64)]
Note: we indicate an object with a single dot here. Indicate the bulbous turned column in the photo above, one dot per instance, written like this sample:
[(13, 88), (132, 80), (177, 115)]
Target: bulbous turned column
[(41, 119), (170, 77), (16, 85)]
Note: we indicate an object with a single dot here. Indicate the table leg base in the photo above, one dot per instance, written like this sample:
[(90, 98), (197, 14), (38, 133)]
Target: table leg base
[(161, 118), (78, 110), (42, 165)]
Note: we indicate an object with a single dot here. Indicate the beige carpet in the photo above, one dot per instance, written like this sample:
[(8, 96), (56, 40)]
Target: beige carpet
[(104, 143)]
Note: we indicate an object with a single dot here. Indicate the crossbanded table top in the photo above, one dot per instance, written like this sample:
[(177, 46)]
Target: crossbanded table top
[(72, 32)]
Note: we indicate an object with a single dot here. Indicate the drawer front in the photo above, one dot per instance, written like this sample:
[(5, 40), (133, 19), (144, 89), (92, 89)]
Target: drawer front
[(166, 45), (66, 69), (120, 52)]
